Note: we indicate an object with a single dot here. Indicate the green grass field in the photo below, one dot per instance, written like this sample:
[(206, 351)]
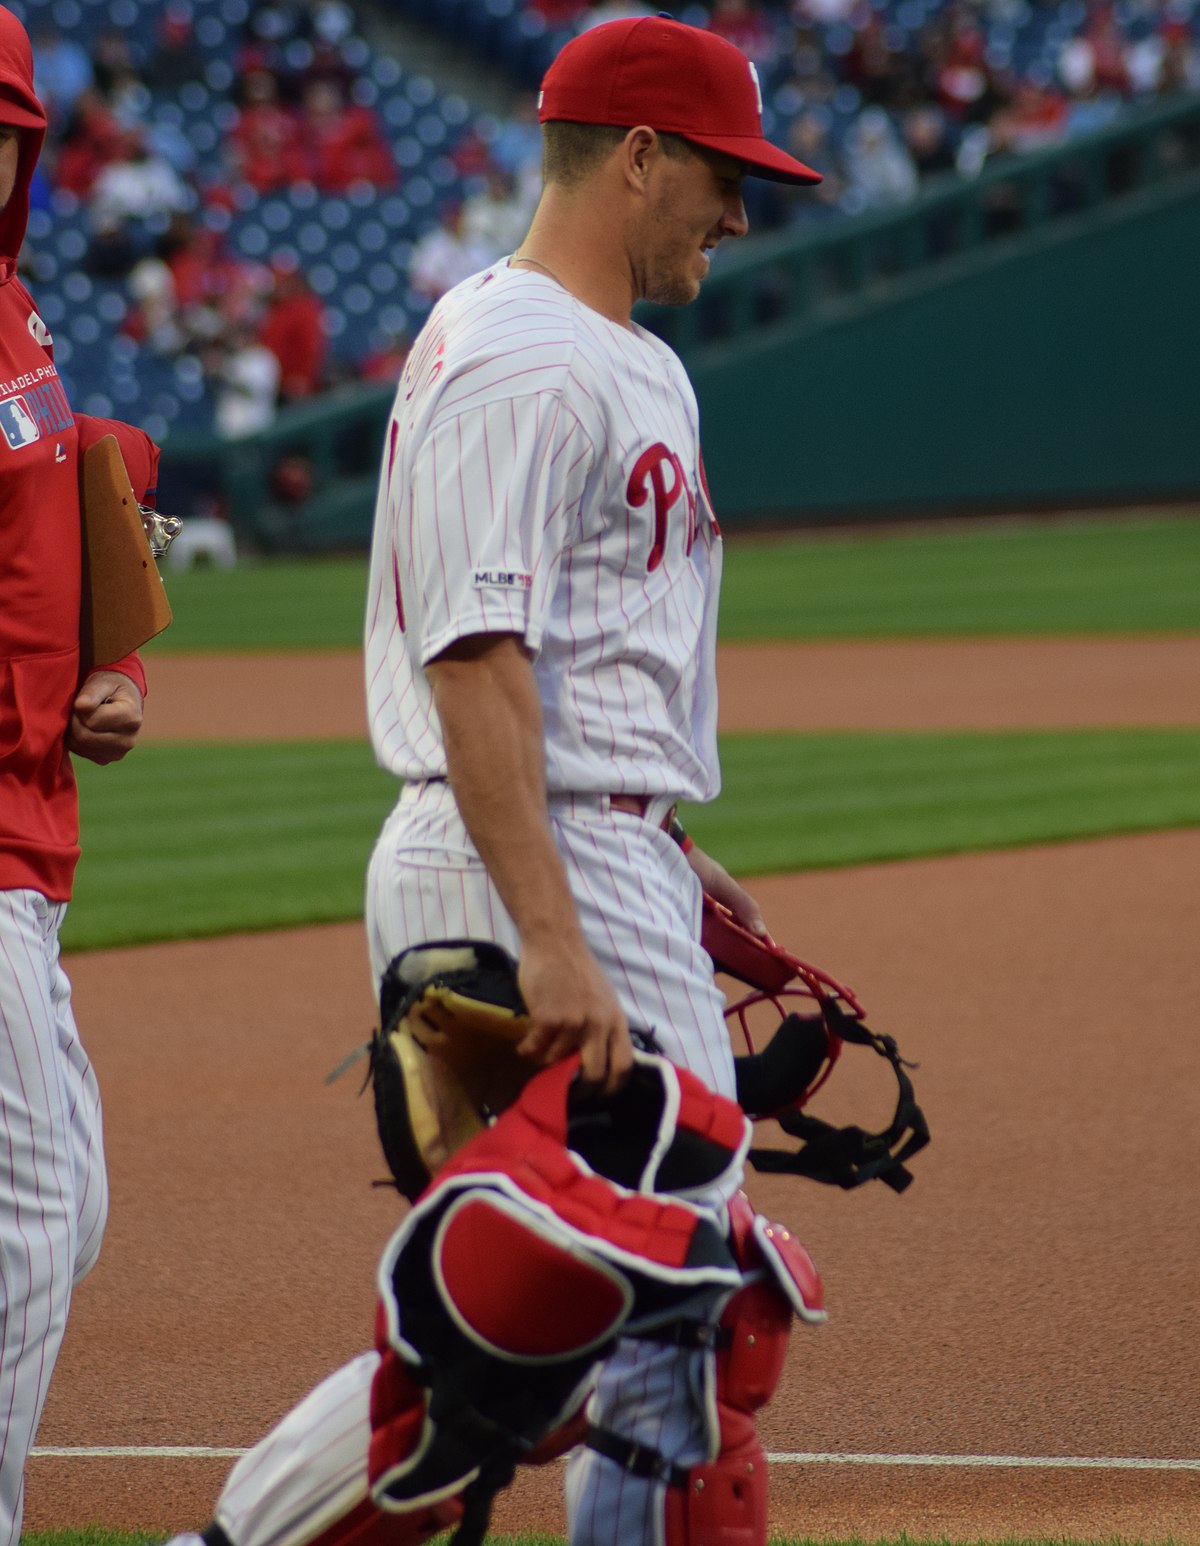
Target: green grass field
[(188, 840), (1056, 577), (1097, 576)]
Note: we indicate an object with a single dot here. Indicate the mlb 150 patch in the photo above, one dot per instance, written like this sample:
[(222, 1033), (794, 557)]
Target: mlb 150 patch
[(501, 579)]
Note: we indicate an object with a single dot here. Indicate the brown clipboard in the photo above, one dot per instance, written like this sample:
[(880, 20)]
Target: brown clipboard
[(123, 602)]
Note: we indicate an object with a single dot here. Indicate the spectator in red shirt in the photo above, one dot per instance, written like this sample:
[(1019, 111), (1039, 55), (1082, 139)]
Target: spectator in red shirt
[(1096, 60), (964, 84), (385, 362), (472, 155), (293, 328), (261, 148), (212, 286), (558, 13), (1036, 117), (340, 142), (743, 23), (192, 290), (177, 57), (92, 140), (878, 67)]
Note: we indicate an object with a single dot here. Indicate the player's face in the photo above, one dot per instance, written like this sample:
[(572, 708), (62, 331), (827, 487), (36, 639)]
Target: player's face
[(10, 154), (697, 203)]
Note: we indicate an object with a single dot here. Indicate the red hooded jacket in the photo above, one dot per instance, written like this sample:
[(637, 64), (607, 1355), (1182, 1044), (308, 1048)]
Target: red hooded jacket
[(40, 574)]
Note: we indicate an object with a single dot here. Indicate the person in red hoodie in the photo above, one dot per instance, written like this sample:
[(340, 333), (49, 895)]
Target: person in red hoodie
[(293, 329), (53, 1188)]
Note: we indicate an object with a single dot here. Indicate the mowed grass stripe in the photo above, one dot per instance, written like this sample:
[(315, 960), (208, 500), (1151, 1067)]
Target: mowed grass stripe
[(191, 840), (194, 840), (814, 802), (309, 604), (1078, 577), (1085, 577)]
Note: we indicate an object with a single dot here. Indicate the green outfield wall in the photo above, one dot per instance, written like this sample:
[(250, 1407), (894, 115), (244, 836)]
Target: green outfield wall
[(1059, 371)]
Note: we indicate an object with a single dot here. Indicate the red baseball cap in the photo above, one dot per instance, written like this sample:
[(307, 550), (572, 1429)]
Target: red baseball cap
[(677, 79)]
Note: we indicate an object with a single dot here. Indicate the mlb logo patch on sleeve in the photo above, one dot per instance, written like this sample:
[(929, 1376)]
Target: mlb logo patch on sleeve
[(18, 424), (501, 579)]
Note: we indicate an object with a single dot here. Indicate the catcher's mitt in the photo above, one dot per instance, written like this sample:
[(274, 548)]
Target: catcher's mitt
[(444, 1061)]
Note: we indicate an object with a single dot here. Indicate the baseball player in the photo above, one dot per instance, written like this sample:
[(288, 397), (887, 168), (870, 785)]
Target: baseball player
[(541, 629), (53, 1188)]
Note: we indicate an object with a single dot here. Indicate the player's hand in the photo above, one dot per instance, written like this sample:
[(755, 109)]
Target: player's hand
[(573, 1009), (720, 885), (105, 717)]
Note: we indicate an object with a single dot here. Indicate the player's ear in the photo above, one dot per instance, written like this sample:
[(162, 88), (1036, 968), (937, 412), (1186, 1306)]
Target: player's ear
[(640, 149)]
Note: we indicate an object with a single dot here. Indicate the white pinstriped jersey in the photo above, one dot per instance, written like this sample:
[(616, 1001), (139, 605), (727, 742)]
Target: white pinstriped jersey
[(542, 477)]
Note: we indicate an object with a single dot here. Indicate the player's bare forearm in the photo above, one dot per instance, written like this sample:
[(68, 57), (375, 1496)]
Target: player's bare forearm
[(490, 713), (720, 884), (488, 707)]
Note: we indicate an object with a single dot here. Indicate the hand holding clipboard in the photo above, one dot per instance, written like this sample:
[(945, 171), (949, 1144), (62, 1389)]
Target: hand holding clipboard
[(123, 602)]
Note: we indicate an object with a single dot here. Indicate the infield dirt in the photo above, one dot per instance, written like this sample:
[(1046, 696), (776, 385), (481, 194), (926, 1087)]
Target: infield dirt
[(917, 685), (1033, 1294)]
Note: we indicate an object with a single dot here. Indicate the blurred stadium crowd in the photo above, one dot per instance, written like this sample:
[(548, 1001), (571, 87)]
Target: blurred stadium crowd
[(244, 203)]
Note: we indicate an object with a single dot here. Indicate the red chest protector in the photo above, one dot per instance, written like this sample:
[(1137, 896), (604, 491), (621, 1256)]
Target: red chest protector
[(570, 1221)]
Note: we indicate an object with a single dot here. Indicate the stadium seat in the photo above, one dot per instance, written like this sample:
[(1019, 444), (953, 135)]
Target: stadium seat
[(385, 71), (408, 152), (370, 232), (335, 214), (312, 238), (323, 280), (347, 258), (384, 278)]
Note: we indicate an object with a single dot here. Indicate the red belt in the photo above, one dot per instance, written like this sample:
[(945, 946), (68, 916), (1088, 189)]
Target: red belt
[(631, 804)]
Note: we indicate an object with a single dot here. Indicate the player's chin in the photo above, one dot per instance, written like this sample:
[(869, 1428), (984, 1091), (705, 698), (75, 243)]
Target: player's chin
[(679, 288)]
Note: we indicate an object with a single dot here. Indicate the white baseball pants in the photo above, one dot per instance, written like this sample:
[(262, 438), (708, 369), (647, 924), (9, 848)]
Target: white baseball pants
[(53, 1185), (639, 904)]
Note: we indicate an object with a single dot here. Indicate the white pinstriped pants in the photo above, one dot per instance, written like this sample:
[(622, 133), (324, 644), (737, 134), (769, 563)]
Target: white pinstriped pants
[(639, 904), (53, 1185)]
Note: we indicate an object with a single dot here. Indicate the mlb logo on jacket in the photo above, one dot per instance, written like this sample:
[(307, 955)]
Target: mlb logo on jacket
[(17, 423)]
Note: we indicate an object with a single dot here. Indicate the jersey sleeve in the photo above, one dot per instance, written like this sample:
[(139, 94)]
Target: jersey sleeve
[(496, 489), (138, 451)]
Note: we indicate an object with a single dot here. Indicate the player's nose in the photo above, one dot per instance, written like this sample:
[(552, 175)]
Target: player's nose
[(734, 221)]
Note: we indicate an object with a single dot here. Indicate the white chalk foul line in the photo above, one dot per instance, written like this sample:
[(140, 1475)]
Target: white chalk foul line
[(1027, 1462), (794, 1457), (134, 1452)]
